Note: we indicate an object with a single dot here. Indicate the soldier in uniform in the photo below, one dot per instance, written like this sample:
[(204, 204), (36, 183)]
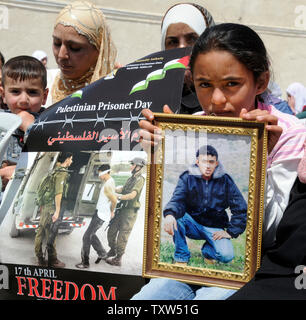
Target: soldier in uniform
[(50, 214), (126, 213)]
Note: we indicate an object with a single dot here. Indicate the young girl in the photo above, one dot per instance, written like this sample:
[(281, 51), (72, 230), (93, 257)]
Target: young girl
[(230, 69)]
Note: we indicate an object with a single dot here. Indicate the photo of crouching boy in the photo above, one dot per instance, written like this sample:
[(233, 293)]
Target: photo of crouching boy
[(198, 210)]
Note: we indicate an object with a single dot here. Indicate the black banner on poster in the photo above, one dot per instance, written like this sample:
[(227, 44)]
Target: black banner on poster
[(105, 114)]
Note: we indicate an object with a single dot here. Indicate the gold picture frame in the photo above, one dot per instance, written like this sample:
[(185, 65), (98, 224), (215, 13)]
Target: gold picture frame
[(242, 145)]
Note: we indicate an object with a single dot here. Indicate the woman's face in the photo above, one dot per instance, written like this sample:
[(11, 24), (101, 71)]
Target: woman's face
[(224, 85), (73, 53), (180, 35)]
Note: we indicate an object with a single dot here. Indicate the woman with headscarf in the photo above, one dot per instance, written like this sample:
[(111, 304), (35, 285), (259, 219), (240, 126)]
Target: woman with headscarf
[(82, 47), (181, 26), (296, 93)]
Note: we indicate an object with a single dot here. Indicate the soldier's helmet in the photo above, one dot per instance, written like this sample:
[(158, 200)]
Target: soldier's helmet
[(138, 161)]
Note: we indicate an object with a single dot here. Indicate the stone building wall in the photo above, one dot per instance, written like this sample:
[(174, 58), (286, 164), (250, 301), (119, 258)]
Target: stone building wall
[(27, 25)]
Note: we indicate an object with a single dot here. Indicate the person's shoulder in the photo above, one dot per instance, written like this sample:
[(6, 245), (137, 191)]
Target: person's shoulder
[(60, 172), (301, 115), (191, 174), (287, 121), (284, 117), (228, 178), (110, 183), (141, 179)]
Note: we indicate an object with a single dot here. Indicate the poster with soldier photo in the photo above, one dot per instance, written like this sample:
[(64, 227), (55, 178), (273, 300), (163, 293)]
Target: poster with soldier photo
[(72, 217), (100, 224)]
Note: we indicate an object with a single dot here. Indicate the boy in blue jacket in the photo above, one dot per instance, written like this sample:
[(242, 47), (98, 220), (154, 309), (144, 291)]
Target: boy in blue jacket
[(197, 210)]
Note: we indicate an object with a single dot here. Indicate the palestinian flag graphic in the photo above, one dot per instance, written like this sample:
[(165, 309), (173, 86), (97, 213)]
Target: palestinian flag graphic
[(77, 94), (161, 73)]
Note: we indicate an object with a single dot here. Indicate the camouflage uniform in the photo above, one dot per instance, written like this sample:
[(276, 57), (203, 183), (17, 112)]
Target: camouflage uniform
[(46, 212), (125, 217)]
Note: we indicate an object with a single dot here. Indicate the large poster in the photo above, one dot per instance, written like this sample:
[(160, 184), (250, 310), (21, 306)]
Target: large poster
[(98, 127)]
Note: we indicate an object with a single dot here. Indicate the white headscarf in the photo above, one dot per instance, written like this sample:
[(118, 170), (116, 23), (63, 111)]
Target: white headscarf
[(298, 91), (39, 55), (195, 16)]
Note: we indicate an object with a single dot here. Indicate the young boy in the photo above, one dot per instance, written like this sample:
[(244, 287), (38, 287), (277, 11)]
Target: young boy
[(23, 90), (197, 209)]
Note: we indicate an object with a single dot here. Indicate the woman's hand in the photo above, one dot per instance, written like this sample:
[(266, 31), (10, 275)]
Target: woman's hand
[(150, 135), (274, 130)]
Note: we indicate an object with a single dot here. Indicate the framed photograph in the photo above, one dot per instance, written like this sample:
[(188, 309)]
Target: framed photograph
[(205, 202)]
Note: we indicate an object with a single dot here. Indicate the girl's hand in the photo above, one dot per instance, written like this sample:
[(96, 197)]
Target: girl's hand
[(150, 135), (274, 131), (7, 172), (27, 120)]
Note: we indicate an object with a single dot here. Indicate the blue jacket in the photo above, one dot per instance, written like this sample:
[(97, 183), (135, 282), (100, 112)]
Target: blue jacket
[(206, 200)]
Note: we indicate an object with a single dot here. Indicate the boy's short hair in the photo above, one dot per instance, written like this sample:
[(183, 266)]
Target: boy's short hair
[(207, 149), (24, 68)]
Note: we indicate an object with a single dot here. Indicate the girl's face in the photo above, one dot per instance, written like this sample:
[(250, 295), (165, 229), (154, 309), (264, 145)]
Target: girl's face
[(224, 85), (73, 53)]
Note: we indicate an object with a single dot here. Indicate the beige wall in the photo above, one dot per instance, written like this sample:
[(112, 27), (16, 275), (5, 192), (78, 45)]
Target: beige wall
[(135, 27)]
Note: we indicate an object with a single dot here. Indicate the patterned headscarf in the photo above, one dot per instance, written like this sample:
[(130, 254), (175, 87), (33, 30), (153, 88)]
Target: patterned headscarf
[(194, 15), (89, 21)]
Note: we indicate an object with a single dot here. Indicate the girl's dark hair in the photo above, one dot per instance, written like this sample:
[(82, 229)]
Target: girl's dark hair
[(239, 40), (24, 68)]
